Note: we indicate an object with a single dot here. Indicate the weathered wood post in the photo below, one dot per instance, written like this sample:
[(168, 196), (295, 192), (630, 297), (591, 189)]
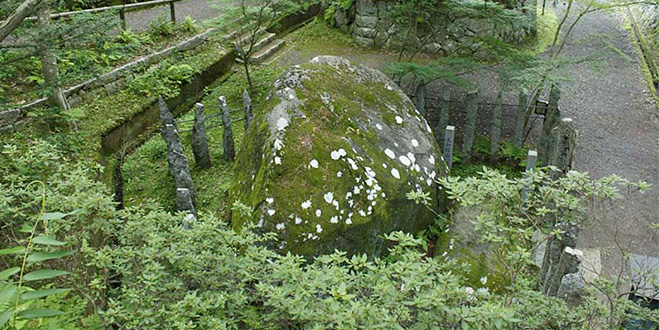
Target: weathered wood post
[(172, 11), (199, 140), (449, 137), (178, 162), (495, 129), (518, 137), (248, 109), (444, 109), (530, 165), (122, 18), (470, 123), (227, 134), (552, 118)]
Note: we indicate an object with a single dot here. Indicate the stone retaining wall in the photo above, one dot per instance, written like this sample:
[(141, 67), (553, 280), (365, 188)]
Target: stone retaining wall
[(106, 84), (372, 25)]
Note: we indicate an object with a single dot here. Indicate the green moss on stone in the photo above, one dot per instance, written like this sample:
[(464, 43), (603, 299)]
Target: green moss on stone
[(337, 107)]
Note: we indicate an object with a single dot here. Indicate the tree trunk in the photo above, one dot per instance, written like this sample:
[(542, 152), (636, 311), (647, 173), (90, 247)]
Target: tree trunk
[(49, 65), (9, 25)]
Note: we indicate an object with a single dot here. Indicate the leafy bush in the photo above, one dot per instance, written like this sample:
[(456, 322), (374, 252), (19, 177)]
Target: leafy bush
[(161, 27), (142, 268)]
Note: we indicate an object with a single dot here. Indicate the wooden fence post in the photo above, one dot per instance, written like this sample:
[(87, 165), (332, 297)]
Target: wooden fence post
[(122, 18), (495, 129), (248, 109), (199, 140), (227, 134), (518, 137), (449, 137), (172, 11), (470, 123)]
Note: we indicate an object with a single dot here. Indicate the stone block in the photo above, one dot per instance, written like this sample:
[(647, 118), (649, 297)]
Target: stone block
[(115, 86), (367, 7), (365, 32), (74, 100), (93, 94), (364, 42), (366, 21), (10, 117), (432, 48)]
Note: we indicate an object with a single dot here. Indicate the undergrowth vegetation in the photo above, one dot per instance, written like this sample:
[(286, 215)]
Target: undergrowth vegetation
[(21, 75), (143, 268)]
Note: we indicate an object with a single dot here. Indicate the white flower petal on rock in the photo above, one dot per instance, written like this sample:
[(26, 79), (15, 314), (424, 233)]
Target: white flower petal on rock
[(411, 157), (406, 161), (282, 123), (399, 120), (278, 144), (329, 197), (415, 143), (378, 126), (390, 153)]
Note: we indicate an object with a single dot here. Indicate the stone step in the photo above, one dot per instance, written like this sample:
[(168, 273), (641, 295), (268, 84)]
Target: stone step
[(267, 52), (260, 44), (266, 40)]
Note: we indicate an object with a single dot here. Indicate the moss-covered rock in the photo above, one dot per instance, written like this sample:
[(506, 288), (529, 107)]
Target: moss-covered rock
[(329, 158)]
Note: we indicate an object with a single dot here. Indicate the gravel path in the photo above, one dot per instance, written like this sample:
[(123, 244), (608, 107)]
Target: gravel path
[(198, 10), (619, 133)]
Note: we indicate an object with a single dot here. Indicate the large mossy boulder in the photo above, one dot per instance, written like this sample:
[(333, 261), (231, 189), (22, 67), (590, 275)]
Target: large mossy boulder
[(330, 157)]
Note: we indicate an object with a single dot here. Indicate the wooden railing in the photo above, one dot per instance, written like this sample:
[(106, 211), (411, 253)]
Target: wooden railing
[(121, 8)]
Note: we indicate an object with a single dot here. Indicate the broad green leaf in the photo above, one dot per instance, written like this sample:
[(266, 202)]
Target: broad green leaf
[(41, 293), (7, 293), (41, 256), (43, 274), (26, 228), (52, 216), (34, 313), (13, 250), (9, 272), (46, 240), (5, 316)]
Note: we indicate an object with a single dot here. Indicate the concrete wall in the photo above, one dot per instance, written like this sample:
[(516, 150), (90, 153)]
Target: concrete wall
[(372, 25)]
